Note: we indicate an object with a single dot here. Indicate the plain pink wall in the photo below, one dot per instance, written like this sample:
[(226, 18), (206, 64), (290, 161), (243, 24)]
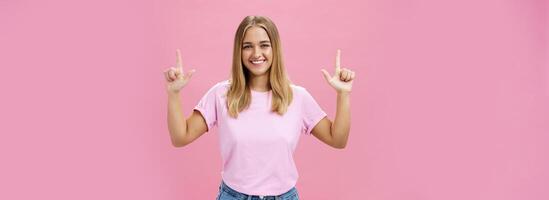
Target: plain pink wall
[(450, 100)]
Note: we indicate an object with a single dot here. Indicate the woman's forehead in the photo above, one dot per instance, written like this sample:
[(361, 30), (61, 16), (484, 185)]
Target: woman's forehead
[(256, 34)]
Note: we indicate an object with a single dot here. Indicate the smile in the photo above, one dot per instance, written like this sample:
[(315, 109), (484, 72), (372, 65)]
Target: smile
[(258, 61)]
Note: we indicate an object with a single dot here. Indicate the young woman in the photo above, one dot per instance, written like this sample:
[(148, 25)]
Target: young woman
[(259, 114)]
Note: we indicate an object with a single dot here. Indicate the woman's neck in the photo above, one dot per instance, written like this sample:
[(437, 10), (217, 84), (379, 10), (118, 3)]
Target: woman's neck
[(260, 83)]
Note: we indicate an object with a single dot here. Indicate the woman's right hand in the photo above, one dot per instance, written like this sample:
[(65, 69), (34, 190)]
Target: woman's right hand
[(176, 78)]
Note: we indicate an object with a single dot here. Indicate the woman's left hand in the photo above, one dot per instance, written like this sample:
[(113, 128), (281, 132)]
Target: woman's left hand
[(343, 78)]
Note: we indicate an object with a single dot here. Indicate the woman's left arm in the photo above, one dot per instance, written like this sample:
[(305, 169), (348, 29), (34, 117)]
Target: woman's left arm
[(336, 134)]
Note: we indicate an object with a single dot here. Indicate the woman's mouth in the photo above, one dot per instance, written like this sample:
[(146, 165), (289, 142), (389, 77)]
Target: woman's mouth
[(257, 62)]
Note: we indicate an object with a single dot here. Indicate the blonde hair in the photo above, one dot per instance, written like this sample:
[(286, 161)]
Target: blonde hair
[(239, 95)]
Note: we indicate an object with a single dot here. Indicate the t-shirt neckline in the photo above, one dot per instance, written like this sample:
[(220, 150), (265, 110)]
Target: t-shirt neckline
[(260, 92)]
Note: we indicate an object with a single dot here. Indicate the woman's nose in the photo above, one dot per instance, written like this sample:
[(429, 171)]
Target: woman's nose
[(257, 52)]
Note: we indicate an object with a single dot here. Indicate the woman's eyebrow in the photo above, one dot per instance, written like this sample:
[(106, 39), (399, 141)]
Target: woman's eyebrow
[(264, 41)]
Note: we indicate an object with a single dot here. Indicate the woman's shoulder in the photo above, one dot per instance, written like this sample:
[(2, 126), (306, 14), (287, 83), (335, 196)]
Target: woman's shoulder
[(223, 84), (220, 87), (302, 95), (298, 90)]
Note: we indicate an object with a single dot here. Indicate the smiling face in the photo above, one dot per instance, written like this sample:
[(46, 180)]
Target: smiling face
[(257, 52)]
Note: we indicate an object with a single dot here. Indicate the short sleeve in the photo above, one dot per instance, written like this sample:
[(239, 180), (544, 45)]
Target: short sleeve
[(312, 112), (207, 106)]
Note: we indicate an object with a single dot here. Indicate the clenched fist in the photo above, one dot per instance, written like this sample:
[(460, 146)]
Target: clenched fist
[(176, 78)]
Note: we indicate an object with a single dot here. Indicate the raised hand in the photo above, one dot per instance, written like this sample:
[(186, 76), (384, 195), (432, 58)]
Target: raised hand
[(175, 76), (343, 78)]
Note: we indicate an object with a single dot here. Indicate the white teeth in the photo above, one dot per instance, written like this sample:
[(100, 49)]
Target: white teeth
[(258, 61)]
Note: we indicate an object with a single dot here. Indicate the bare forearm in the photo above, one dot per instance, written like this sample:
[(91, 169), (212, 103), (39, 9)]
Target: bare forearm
[(342, 122), (176, 122)]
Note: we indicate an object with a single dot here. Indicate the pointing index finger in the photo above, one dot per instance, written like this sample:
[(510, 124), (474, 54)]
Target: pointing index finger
[(338, 60), (178, 60)]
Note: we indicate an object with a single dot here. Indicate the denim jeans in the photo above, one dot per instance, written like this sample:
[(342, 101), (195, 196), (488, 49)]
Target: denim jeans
[(227, 193)]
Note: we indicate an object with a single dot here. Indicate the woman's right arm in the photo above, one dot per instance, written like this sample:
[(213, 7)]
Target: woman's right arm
[(182, 132)]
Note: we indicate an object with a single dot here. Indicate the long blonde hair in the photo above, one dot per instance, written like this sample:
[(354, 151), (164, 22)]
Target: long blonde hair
[(239, 95)]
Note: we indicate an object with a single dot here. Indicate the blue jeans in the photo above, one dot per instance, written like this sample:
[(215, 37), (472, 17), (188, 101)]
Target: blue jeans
[(227, 193)]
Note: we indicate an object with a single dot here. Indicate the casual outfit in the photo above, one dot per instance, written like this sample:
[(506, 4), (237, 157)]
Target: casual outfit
[(257, 147)]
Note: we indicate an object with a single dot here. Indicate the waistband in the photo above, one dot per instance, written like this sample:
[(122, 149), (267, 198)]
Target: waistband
[(224, 187)]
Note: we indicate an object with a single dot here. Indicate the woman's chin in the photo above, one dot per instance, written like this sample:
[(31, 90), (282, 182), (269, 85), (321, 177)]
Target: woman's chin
[(258, 70)]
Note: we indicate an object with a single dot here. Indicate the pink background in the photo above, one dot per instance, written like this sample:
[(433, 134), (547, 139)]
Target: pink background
[(450, 100)]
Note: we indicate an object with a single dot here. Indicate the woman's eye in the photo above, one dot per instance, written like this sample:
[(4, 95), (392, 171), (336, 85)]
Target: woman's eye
[(265, 45), (245, 47)]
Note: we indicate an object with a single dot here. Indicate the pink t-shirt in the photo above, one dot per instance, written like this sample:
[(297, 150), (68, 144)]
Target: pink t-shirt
[(257, 148)]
